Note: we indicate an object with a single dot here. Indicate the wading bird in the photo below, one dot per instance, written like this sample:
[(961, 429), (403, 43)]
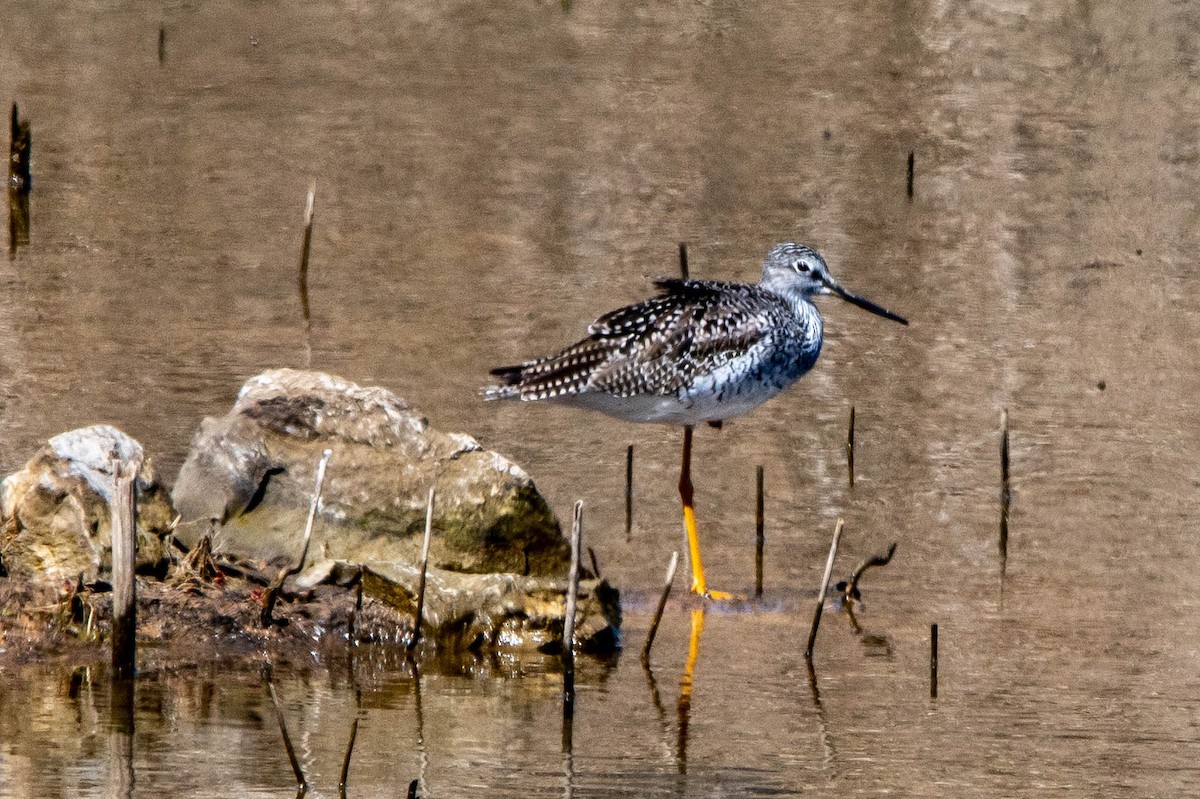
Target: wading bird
[(701, 351)]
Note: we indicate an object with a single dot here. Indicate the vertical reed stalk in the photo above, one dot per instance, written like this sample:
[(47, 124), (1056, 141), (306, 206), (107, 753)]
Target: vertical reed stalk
[(759, 536), (816, 622), (419, 615), (123, 513), (658, 611)]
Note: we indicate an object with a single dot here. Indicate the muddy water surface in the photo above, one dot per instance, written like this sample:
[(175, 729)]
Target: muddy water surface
[(491, 177)]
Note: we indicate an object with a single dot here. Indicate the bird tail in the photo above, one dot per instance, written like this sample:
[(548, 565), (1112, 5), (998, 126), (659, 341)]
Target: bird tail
[(509, 388)]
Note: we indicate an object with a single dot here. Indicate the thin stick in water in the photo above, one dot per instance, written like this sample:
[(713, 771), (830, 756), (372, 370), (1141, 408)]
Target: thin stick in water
[(759, 536), (629, 493), (833, 547), (568, 644), (305, 249), (933, 658), (912, 162), (123, 515), (162, 43), (350, 746), (683, 260), (1005, 488), (287, 739), (419, 615), (850, 447), (658, 611)]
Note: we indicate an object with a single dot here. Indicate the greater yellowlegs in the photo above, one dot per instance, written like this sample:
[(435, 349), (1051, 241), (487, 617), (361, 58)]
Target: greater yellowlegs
[(701, 351)]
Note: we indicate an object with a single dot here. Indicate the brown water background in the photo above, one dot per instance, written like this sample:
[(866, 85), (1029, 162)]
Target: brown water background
[(490, 177)]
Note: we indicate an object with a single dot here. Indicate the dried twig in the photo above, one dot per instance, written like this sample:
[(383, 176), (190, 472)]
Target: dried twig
[(417, 617), (849, 588), (658, 611), (833, 548), (272, 592)]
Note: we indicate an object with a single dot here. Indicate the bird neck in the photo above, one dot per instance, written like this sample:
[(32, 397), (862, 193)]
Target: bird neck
[(810, 318)]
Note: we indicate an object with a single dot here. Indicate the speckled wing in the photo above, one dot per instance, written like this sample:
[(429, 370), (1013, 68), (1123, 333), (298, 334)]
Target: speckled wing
[(654, 347)]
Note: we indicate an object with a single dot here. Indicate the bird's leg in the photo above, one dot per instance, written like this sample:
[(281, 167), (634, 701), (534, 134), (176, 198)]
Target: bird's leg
[(699, 584)]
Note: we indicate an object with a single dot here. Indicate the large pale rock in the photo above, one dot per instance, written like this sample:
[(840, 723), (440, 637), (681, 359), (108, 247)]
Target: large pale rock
[(54, 512), (253, 471)]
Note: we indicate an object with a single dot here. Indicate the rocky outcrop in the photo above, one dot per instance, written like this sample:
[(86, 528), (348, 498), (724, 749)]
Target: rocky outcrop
[(54, 514), (252, 473), (497, 557)]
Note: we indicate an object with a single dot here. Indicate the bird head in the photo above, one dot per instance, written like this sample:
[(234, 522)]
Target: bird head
[(796, 269)]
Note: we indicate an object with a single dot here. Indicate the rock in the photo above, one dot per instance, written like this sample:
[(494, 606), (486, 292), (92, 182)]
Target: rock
[(54, 511), (253, 471), (472, 611)]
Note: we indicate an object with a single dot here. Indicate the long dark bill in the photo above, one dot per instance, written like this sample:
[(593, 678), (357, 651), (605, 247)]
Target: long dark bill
[(867, 305)]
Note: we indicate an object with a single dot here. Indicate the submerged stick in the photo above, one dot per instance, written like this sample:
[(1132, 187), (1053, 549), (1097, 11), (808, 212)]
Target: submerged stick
[(658, 611), (1005, 488), (629, 493), (833, 547), (933, 661), (350, 746), (568, 645), (162, 43), (912, 163), (850, 447), (419, 615), (123, 513), (759, 537), (683, 260), (301, 782)]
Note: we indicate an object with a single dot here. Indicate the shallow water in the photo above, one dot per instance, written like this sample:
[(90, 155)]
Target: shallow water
[(492, 177)]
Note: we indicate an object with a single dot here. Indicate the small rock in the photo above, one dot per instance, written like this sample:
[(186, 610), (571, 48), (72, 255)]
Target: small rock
[(54, 511)]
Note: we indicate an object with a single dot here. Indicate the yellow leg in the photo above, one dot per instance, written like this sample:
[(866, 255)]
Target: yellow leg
[(699, 583)]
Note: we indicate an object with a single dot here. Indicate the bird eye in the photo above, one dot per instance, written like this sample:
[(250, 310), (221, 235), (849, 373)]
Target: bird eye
[(802, 267)]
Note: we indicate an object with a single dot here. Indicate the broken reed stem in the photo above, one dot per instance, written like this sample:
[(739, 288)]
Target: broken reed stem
[(658, 611), (312, 509), (912, 163), (933, 658), (301, 782), (629, 493), (568, 644), (19, 164), (419, 615), (759, 537), (875, 560), (683, 260), (833, 547), (272, 592), (1005, 488), (850, 447), (595, 562), (306, 248), (123, 515)]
